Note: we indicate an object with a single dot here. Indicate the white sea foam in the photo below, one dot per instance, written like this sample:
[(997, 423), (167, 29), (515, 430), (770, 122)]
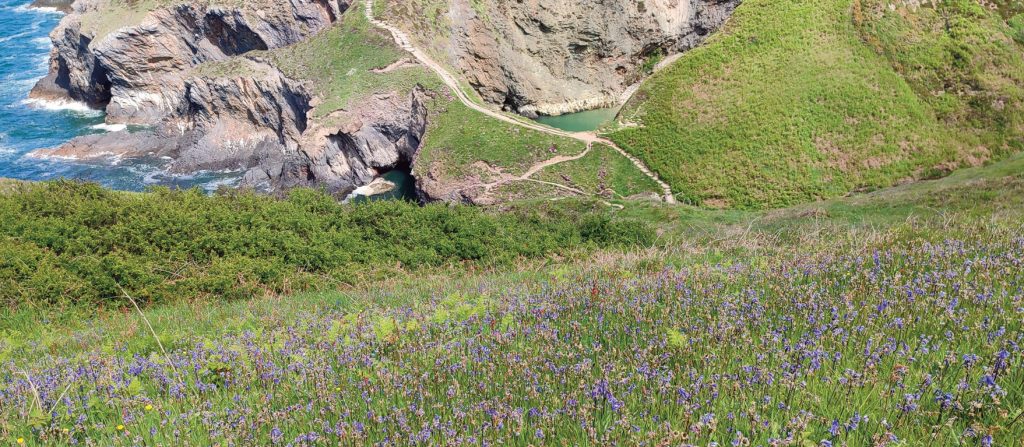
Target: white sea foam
[(27, 8), (43, 62), (110, 127), (6, 39), (217, 184), (10, 85), (47, 154), (63, 105), (42, 42)]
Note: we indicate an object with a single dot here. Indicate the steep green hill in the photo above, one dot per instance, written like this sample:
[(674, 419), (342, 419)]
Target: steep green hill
[(804, 100)]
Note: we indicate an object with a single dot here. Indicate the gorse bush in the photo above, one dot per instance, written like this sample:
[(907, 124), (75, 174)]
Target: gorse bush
[(72, 242)]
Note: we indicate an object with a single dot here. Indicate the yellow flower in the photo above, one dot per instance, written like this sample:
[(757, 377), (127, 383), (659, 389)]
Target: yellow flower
[(120, 428), (21, 441), (338, 389), (149, 407)]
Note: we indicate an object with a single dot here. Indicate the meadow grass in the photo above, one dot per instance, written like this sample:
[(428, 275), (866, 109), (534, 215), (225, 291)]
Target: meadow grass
[(866, 331), (908, 340), (798, 101), (344, 63), (602, 172)]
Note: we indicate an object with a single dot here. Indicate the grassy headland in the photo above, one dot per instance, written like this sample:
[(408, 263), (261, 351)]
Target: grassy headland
[(803, 100)]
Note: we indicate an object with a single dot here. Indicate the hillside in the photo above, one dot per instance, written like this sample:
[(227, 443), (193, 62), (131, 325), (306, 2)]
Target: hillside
[(904, 303), (804, 100), (845, 268)]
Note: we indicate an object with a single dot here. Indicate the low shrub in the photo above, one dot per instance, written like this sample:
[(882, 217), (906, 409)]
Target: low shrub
[(80, 243)]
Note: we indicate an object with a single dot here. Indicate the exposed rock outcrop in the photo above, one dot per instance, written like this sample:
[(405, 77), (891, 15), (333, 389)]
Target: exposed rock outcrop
[(555, 57), (188, 71), (199, 75), (59, 5), (258, 121), (348, 148), (138, 71)]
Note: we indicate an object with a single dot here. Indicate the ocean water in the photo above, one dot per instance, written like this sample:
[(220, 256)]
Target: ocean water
[(29, 125)]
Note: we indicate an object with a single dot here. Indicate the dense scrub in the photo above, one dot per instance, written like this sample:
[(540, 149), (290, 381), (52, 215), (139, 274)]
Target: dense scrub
[(915, 344), (801, 100), (67, 242)]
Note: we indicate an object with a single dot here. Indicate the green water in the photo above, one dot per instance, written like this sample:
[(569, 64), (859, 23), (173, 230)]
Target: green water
[(405, 188), (582, 121)]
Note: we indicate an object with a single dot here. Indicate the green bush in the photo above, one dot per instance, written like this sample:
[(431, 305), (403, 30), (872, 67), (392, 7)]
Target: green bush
[(67, 242)]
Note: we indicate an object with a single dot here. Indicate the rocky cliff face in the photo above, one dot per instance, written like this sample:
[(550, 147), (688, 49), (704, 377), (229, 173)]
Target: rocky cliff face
[(554, 57), (138, 72), (192, 72), (198, 75)]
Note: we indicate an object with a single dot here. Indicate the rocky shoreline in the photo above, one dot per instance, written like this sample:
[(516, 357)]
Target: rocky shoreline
[(193, 74), (59, 5), (250, 117)]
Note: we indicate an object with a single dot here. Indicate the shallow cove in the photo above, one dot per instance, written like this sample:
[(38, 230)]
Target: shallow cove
[(405, 188), (581, 121)]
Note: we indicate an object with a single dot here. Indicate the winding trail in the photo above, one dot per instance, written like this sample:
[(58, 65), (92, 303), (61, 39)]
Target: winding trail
[(589, 138)]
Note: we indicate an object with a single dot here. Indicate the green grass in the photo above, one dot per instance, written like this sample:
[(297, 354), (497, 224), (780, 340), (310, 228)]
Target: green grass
[(993, 191), (107, 16), (602, 172), (603, 348), (1017, 23), (343, 63), (962, 60), (458, 136), (791, 104), (7, 185)]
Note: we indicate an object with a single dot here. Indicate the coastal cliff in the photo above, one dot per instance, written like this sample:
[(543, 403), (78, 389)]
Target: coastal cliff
[(308, 93), (551, 58), (203, 81)]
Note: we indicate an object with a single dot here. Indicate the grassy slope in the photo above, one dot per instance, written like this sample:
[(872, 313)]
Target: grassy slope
[(961, 59), (459, 136), (604, 172), (461, 347), (341, 63), (108, 16), (789, 104)]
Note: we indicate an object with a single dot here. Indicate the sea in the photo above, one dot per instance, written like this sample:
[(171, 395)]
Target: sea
[(27, 125)]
